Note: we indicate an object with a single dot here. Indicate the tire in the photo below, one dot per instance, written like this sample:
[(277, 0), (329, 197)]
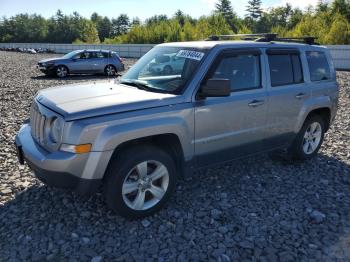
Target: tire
[(126, 169), (110, 70), (61, 71), (309, 139), (168, 70)]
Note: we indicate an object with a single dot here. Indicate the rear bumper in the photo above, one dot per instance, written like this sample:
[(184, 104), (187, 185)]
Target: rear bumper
[(57, 169)]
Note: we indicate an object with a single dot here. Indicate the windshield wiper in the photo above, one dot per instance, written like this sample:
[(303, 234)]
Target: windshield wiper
[(139, 85), (143, 86)]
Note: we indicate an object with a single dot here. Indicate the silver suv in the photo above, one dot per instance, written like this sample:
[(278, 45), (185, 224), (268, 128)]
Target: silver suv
[(136, 137)]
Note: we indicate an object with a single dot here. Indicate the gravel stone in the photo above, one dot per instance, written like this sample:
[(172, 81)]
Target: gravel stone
[(145, 223), (317, 216), (255, 209)]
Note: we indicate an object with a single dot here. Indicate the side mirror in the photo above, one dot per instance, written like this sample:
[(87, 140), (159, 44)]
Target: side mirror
[(216, 87)]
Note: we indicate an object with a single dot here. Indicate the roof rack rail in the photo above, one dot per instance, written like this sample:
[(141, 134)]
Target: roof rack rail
[(310, 40), (265, 37)]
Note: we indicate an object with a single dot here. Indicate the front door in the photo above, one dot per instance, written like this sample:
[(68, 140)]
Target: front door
[(234, 126), (80, 63)]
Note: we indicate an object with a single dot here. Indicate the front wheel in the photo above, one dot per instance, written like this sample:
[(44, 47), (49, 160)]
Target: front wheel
[(61, 71), (309, 140), (140, 181)]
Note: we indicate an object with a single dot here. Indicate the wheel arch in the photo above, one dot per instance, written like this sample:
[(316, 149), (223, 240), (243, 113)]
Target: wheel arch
[(324, 112), (168, 142)]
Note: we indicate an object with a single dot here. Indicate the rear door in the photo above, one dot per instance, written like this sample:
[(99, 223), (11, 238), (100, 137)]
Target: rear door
[(287, 93), (98, 62), (234, 126)]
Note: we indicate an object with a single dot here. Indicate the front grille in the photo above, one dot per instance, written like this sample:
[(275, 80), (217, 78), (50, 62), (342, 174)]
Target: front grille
[(37, 123)]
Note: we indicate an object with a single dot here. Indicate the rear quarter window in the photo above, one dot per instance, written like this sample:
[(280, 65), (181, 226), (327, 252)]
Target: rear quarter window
[(318, 66)]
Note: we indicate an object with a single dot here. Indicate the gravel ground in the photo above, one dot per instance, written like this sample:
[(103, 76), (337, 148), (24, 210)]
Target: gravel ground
[(258, 209)]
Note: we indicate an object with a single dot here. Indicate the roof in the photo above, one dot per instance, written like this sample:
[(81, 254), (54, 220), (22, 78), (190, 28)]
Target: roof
[(240, 44), (93, 50)]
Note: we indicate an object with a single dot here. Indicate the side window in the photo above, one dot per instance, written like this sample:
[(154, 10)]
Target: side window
[(85, 55), (285, 69), (243, 71), (318, 66), (106, 55), (99, 55)]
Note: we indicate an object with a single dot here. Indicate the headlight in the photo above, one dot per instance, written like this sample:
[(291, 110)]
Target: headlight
[(55, 134), (48, 64)]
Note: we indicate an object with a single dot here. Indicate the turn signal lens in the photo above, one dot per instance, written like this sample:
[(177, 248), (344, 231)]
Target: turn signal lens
[(76, 149)]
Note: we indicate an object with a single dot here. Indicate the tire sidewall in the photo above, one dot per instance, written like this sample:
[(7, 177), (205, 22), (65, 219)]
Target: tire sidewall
[(298, 143), (120, 168)]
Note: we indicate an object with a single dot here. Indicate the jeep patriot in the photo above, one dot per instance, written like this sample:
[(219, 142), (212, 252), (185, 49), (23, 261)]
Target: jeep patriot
[(181, 106)]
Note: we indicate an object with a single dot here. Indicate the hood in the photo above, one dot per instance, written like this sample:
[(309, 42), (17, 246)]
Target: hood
[(79, 101), (51, 60)]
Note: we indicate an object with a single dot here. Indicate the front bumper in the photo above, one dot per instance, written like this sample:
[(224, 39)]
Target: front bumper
[(46, 70), (57, 169)]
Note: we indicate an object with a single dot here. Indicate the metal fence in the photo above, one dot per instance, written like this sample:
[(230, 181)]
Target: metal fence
[(341, 56), (340, 53), (129, 51)]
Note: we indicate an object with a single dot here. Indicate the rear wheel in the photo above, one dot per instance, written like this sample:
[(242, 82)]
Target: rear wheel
[(110, 70), (140, 181), (61, 71), (309, 140)]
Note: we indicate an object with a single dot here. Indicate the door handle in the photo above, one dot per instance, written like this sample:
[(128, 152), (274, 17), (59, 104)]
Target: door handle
[(256, 103), (300, 96)]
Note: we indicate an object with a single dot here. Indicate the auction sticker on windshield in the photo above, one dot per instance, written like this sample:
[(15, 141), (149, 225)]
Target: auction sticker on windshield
[(190, 54)]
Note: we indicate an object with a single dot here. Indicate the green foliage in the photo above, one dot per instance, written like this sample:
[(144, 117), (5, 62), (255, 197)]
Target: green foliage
[(254, 9), (329, 21)]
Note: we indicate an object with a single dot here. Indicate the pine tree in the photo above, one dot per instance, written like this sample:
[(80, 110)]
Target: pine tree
[(224, 8), (254, 9)]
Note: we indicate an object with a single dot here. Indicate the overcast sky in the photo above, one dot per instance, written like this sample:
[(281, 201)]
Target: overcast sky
[(134, 8)]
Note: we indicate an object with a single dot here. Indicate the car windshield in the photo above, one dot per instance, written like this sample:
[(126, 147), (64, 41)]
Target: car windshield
[(70, 54), (165, 69)]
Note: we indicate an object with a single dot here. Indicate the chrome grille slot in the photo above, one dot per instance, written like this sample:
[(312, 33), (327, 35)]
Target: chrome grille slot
[(37, 123)]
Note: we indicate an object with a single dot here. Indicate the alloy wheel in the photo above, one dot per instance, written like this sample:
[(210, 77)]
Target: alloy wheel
[(61, 71), (110, 71), (312, 138), (145, 185)]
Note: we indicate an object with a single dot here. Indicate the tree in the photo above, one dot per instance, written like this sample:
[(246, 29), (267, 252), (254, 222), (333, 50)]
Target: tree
[(120, 25), (254, 9), (339, 32), (342, 7), (225, 8), (135, 22), (180, 17), (322, 6), (89, 33)]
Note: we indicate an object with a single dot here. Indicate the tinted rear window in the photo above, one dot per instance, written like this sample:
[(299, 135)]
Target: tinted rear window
[(285, 69), (318, 66)]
